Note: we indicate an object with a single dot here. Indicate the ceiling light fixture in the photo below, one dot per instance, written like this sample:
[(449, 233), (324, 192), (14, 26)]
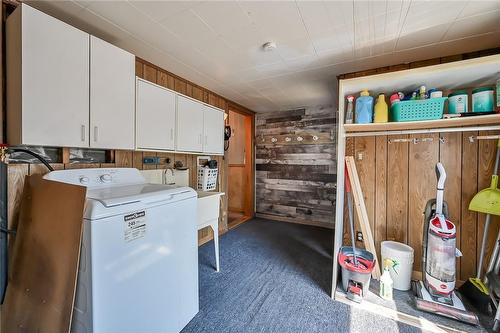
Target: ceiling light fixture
[(269, 46)]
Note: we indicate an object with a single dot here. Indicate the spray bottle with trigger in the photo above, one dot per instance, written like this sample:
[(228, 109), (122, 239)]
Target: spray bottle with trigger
[(385, 290)]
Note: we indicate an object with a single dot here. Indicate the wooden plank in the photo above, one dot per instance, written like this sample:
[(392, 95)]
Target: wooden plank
[(450, 155), (139, 69), (468, 219), (15, 186), (180, 85), (165, 80), (397, 191), (40, 169), (440, 123), (137, 160), (381, 174), (364, 153), (44, 266), (123, 158), (362, 214), (150, 73), (422, 187)]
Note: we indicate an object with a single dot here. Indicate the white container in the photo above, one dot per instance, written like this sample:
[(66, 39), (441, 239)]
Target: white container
[(403, 254)]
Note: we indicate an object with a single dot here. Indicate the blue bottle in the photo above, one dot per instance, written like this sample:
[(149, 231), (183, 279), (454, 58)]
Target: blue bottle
[(364, 108)]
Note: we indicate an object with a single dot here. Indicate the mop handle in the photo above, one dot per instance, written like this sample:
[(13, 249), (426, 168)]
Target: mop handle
[(441, 178), (350, 209), (497, 159)]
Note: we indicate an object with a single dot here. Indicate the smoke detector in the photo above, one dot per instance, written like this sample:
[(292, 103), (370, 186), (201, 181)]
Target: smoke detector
[(269, 46)]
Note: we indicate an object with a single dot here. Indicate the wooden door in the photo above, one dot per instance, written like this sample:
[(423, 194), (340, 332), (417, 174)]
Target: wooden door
[(239, 156), (213, 131), (189, 125), (112, 90), (155, 117), (52, 64)]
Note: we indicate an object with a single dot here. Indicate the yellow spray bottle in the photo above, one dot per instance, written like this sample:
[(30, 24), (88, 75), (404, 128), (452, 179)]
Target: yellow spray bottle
[(381, 110), (385, 290)]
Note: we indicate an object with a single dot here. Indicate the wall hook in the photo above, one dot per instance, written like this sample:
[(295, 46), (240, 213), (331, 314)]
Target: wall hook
[(299, 138), (274, 140), (483, 137), (287, 139)]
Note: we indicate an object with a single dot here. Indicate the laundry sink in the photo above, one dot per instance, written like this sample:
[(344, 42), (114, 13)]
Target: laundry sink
[(208, 207)]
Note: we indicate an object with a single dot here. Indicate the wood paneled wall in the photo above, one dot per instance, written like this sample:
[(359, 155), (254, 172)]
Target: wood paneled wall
[(296, 179), (398, 179)]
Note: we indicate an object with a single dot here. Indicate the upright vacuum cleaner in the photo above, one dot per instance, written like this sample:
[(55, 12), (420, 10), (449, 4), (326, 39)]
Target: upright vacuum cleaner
[(436, 293)]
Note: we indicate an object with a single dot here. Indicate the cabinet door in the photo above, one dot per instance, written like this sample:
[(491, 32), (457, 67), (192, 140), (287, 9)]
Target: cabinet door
[(55, 81), (155, 117), (112, 90), (189, 125), (213, 131)]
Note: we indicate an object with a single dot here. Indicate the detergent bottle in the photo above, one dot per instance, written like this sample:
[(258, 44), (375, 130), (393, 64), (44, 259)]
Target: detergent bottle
[(381, 110), (385, 290), (364, 108)]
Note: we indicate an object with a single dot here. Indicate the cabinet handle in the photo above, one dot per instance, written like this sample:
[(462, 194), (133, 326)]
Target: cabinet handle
[(96, 132), (82, 132), (172, 134)]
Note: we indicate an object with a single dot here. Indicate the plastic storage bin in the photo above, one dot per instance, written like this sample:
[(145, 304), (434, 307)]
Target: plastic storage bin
[(207, 179), (425, 109), (403, 254)]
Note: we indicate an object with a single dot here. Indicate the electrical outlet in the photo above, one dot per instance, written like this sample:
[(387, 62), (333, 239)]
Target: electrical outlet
[(359, 236)]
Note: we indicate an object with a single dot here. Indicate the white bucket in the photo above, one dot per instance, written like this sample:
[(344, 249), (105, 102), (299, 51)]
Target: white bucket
[(403, 254)]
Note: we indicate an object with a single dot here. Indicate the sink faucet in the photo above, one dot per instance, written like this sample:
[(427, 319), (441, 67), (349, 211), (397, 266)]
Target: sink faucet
[(169, 176)]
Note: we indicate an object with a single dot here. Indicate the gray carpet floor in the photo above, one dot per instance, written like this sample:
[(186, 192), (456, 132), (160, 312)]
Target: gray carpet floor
[(276, 277)]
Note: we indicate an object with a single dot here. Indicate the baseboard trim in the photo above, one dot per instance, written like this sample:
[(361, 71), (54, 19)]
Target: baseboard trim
[(296, 221)]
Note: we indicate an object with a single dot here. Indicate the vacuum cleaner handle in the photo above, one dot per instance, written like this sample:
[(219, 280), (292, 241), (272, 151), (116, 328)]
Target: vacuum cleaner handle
[(441, 178)]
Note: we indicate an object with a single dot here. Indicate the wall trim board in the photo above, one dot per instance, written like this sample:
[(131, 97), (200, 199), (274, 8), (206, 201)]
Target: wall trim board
[(293, 220), (229, 102)]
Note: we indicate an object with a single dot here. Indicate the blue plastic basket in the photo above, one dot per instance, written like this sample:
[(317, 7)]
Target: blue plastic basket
[(425, 109)]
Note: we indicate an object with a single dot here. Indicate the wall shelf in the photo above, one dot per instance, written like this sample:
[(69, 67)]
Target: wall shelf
[(475, 72), (424, 124)]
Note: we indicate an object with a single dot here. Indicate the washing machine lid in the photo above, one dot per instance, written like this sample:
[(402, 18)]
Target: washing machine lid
[(111, 201), (146, 193)]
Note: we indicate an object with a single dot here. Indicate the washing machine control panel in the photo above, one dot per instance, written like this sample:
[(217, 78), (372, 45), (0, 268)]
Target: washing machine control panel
[(96, 178)]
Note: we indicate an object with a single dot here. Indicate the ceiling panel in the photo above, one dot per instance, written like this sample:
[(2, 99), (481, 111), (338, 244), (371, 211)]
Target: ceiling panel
[(218, 44)]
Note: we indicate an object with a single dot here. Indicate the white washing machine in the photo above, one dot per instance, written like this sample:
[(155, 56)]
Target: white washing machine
[(139, 257)]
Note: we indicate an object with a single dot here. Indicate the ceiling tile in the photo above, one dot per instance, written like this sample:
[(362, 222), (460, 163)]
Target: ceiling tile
[(296, 48), (224, 17), (422, 37), (315, 16), (340, 12), (475, 7), (278, 21), (161, 10), (474, 25), (423, 15), (189, 27)]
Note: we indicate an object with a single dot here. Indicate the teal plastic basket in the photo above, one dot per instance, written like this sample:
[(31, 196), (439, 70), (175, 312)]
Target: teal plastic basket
[(425, 109)]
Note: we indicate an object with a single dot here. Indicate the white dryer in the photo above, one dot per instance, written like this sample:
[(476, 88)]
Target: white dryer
[(139, 257)]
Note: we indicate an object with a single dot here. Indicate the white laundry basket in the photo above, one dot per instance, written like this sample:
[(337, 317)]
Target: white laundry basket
[(403, 254)]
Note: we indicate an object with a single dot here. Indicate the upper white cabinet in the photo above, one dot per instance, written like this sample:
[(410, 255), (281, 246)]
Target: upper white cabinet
[(213, 126), (112, 90), (155, 117), (189, 124), (47, 81)]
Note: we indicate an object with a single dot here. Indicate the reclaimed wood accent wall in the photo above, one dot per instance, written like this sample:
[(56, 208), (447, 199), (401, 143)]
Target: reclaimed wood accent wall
[(398, 178), (295, 165), (125, 158)]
